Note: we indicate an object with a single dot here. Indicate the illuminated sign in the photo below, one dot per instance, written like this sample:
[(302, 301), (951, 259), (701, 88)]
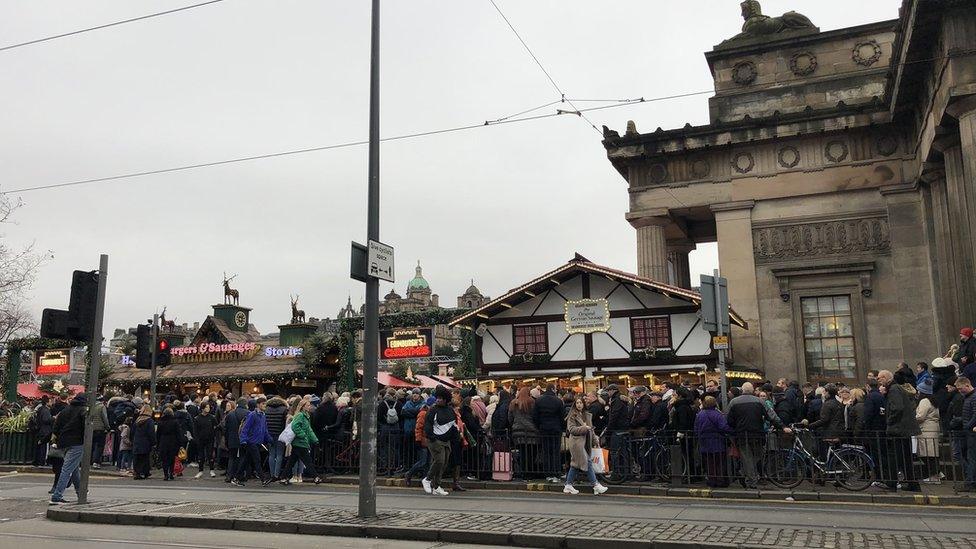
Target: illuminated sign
[(587, 316), (407, 343), (277, 352), (53, 362), (127, 360), (214, 348)]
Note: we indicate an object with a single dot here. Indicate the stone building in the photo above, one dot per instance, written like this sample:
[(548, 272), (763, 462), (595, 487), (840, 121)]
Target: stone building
[(837, 176)]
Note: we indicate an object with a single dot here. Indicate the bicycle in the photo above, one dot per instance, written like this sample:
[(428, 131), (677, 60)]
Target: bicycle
[(648, 450), (851, 467)]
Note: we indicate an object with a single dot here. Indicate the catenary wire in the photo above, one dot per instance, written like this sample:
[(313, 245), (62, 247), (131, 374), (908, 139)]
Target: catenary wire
[(105, 26)]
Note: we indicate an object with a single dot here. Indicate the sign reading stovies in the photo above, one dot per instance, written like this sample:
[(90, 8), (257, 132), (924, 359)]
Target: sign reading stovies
[(407, 343), (53, 362), (586, 316)]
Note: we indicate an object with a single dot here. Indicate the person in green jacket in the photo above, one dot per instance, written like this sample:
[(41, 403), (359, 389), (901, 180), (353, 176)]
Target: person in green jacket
[(304, 438)]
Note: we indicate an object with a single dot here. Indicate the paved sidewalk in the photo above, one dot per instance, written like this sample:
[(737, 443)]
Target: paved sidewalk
[(488, 528)]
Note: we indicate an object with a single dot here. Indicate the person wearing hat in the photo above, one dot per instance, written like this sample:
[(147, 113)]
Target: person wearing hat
[(965, 357), (69, 434), (929, 421)]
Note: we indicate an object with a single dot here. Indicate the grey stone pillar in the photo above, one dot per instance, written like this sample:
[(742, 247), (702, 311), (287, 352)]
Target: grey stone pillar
[(652, 248), (678, 257), (942, 261), (960, 173)]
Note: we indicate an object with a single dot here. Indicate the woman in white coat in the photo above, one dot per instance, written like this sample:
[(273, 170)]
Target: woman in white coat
[(927, 416)]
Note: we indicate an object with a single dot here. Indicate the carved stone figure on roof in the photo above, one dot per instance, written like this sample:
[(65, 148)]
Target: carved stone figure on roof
[(756, 24)]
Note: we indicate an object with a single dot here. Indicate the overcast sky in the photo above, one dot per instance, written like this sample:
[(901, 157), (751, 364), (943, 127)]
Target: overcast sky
[(243, 77)]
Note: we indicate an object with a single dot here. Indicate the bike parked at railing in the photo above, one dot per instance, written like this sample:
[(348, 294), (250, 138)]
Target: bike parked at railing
[(849, 465)]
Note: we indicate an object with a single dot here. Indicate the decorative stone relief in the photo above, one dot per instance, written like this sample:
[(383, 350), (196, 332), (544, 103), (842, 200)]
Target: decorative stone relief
[(743, 162), (788, 157), (821, 239), (836, 151), (744, 73), (866, 53), (886, 145), (658, 173), (700, 168), (803, 63)]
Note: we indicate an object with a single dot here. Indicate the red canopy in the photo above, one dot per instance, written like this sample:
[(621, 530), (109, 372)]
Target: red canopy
[(427, 382), (33, 390)]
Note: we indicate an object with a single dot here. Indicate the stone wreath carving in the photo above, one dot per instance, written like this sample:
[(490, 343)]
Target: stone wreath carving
[(866, 53), (886, 145), (744, 73), (836, 151), (803, 63), (788, 157), (743, 162), (658, 173), (700, 168)]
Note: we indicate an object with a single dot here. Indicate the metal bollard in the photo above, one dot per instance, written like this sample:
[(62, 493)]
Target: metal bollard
[(677, 464)]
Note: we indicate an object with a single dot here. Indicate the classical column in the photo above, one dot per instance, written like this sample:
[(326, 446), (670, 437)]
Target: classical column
[(678, 256), (733, 225), (911, 272), (652, 248), (943, 264)]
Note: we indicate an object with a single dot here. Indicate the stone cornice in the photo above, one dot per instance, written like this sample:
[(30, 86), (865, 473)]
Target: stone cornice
[(733, 206)]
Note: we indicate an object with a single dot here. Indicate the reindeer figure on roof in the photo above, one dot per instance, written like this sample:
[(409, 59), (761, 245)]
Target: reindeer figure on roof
[(166, 325), (230, 293), (297, 315)]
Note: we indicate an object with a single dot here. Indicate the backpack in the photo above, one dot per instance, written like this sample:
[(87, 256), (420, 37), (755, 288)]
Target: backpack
[(391, 415)]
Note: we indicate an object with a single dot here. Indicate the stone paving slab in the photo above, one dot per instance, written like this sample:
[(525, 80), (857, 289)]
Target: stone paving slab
[(516, 530)]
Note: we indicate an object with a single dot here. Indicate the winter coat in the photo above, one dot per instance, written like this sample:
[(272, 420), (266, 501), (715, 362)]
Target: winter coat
[(927, 417), (304, 435), (143, 436), (966, 349), (418, 428), (900, 411), (441, 417), (99, 417), (382, 409), (853, 418), (45, 423), (125, 437), (499, 419), (659, 416), (408, 414), (811, 411), (523, 428), (580, 439), (547, 414), (953, 415), (232, 427), (69, 425), (873, 420), (711, 430), (186, 424), (169, 435), (968, 415), (204, 428), (747, 416), (618, 417), (324, 420), (682, 416), (598, 413), (255, 430), (275, 415), (831, 423), (641, 418)]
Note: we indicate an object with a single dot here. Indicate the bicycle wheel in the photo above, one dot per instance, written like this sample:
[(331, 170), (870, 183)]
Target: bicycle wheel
[(662, 465), (857, 466), (785, 468)]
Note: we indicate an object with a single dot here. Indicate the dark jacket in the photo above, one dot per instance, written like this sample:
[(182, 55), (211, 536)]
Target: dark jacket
[(811, 410), (831, 422), (854, 414), (275, 414), (966, 349), (408, 415), (382, 409), (232, 426), (169, 435), (900, 412), (143, 436), (69, 425), (324, 420), (659, 416), (204, 428), (445, 418), (255, 430), (45, 423), (968, 415), (547, 414), (682, 416), (499, 418), (598, 413), (186, 423), (618, 419), (952, 419), (789, 406), (748, 414), (641, 417)]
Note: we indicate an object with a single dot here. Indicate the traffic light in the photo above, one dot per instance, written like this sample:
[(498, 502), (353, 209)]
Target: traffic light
[(81, 305), (143, 347), (162, 352), (54, 323)]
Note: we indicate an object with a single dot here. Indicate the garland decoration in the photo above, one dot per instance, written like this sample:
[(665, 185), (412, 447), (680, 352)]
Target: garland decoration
[(530, 358), (652, 353)]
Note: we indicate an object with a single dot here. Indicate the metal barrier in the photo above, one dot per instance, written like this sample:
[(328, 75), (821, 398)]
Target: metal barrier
[(16, 448)]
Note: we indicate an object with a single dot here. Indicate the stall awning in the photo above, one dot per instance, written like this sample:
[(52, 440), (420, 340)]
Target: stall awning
[(33, 390)]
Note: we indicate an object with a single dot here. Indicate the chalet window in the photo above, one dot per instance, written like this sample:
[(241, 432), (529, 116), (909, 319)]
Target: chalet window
[(652, 333), (828, 337), (532, 338)]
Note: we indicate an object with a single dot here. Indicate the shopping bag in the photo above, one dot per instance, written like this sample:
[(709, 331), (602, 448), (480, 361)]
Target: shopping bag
[(501, 468), (287, 436), (181, 455), (606, 460), (177, 467), (599, 462)]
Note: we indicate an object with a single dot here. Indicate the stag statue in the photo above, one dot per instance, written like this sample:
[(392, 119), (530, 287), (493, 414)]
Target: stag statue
[(230, 293), (166, 325), (297, 315)]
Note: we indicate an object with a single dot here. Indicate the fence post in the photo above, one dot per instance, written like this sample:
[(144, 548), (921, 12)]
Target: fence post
[(677, 463)]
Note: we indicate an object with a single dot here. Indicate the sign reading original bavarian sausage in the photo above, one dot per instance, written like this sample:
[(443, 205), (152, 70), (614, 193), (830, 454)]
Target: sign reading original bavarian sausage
[(586, 316)]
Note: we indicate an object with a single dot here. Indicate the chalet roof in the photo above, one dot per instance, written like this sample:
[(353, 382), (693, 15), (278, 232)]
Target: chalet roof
[(256, 367), (577, 265), (226, 333)]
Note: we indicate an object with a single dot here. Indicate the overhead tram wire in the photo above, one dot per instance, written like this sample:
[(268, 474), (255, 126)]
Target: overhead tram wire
[(107, 25), (552, 81)]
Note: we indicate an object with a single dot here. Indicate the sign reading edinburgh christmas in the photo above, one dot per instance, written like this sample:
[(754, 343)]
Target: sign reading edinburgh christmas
[(406, 343), (53, 362), (586, 316)]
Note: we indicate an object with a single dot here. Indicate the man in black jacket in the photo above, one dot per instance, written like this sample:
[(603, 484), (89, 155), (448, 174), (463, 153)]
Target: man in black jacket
[(618, 427), (966, 428), (69, 433), (641, 417), (42, 428), (440, 428), (747, 416), (597, 410), (232, 436), (325, 423), (547, 414)]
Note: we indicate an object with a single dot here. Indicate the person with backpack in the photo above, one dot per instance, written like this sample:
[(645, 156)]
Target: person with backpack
[(253, 435), (389, 434), (205, 427)]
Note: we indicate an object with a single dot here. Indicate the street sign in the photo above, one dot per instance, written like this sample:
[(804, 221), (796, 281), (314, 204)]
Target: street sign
[(720, 342), (709, 311), (379, 261), (357, 267)]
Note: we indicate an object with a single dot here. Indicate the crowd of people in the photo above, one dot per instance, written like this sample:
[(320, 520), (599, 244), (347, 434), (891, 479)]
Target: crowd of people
[(900, 417)]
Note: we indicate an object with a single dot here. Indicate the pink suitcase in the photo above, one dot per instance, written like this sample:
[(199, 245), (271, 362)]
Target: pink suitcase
[(501, 466)]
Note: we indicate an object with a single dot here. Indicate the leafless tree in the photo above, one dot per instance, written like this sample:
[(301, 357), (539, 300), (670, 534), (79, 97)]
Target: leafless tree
[(18, 270)]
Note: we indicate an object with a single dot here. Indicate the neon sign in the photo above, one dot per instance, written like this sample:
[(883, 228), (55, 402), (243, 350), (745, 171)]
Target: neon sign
[(407, 343), (277, 352), (214, 348), (53, 362)]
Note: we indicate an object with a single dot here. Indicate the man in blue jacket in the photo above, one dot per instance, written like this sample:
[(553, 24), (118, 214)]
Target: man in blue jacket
[(254, 434)]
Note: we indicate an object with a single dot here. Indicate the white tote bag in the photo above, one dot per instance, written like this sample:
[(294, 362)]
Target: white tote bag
[(596, 457), (287, 435)]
